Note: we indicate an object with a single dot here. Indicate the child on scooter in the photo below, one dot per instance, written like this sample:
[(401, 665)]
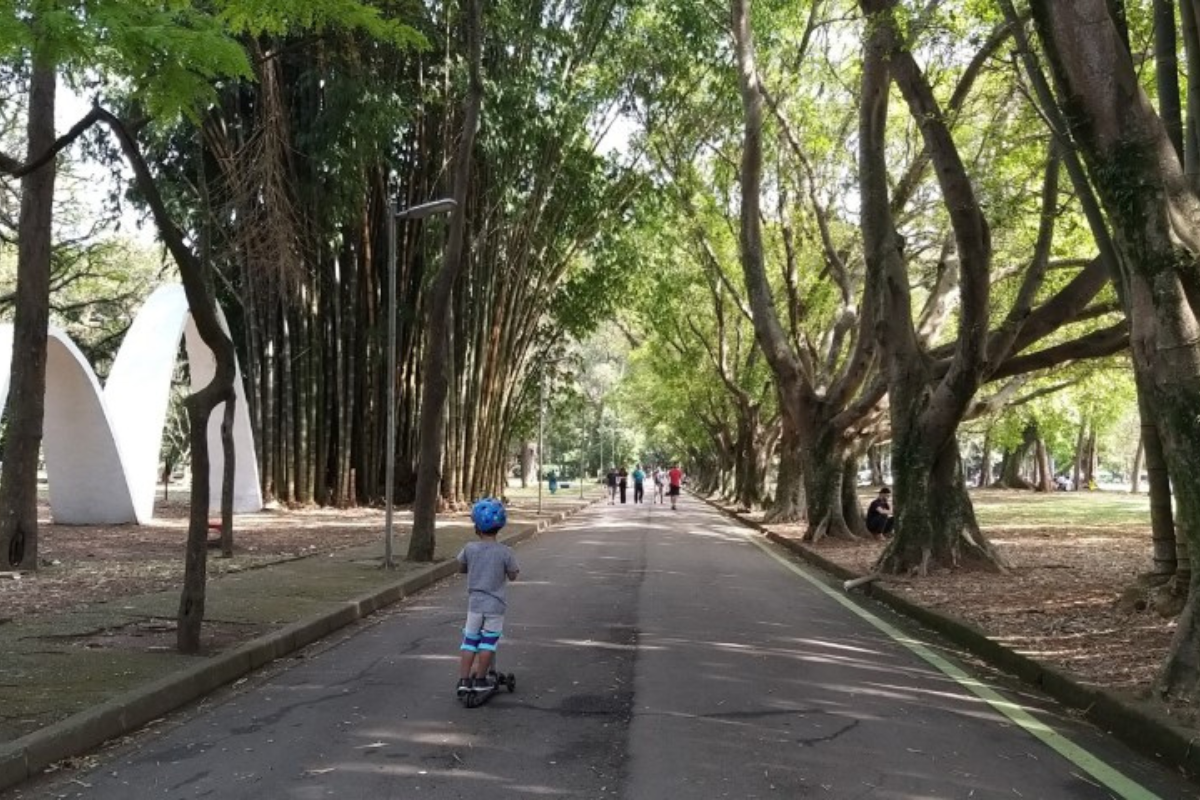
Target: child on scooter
[(489, 565)]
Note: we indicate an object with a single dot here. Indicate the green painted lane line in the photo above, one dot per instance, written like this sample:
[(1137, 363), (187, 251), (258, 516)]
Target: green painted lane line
[(1110, 777)]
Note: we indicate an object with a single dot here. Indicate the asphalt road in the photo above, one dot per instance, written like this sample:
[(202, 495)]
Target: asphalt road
[(658, 655)]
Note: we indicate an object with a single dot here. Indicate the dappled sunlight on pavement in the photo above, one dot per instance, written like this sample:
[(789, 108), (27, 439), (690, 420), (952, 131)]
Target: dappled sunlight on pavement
[(657, 654)]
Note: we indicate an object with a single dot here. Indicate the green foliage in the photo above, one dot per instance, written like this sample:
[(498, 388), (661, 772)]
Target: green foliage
[(166, 56), (286, 17), (170, 57), (97, 288), (1099, 396)]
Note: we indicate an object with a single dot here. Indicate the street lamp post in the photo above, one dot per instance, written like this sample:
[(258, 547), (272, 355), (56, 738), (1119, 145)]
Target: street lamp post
[(541, 432), (394, 218)]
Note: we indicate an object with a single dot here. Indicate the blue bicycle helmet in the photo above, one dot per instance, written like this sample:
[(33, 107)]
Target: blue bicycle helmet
[(488, 515)]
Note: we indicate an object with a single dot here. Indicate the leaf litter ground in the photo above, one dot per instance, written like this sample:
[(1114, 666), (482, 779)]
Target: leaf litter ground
[(1071, 555), (80, 565)]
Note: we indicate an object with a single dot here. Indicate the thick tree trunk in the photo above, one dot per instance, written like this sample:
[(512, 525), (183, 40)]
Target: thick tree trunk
[(823, 467), (1155, 217), (1012, 470), (1135, 474), (852, 511), (1092, 465), (788, 504), (939, 530), (875, 454), (1164, 551), (1166, 71), (433, 397), (1190, 27), (935, 522), (747, 476), (985, 462), (813, 412), (1077, 466), (1045, 477), (27, 392)]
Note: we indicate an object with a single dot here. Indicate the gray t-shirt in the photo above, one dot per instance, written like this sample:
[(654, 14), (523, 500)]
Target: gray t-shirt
[(488, 565)]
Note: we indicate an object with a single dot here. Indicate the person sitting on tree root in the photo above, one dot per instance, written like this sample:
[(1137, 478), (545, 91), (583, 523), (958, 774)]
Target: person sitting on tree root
[(879, 514)]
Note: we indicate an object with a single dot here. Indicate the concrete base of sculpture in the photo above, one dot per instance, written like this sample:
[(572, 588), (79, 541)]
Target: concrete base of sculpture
[(102, 446)]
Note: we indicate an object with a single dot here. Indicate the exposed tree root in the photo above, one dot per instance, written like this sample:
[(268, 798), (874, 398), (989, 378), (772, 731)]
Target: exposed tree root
[(783, 515), (831, 527)]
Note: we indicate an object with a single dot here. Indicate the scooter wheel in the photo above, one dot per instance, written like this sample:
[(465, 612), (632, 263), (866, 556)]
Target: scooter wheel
[(511, 682)]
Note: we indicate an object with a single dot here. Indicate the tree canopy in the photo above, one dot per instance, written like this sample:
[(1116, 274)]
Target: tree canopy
[(776, 241)]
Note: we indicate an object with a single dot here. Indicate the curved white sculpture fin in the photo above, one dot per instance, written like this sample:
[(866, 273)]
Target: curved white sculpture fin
[(88, 479), (102, 447), (138, 392)]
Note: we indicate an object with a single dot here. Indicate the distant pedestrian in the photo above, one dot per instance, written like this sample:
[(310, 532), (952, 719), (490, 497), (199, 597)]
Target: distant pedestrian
[(660, 479), (674, 481), (611, 479), (879, 514), (552, 479), (489, 565), (622, 482), (639, 485)]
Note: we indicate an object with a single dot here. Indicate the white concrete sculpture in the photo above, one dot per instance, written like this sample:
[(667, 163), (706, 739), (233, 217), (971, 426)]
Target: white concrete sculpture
[(102, 447)]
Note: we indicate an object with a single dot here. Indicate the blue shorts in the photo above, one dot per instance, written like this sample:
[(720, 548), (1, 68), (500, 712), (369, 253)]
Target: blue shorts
[(482, 632)]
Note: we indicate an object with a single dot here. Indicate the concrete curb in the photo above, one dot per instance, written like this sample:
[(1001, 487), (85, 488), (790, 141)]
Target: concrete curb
[(1144, 728), (27, 756)]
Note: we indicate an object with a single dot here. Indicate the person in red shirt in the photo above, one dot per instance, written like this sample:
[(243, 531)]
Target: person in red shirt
[(674, 480)]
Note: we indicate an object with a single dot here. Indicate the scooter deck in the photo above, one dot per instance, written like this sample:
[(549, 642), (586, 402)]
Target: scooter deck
[(476, 699)]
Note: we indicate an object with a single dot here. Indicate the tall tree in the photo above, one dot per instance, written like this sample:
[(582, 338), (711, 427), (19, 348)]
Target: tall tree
[(437, 378), (18, 481), (120, 40), (820, 413), (1155, 216), (1165, 540)]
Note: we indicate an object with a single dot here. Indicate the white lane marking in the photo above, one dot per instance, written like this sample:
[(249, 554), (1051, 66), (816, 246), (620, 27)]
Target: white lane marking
[(1109, 776)]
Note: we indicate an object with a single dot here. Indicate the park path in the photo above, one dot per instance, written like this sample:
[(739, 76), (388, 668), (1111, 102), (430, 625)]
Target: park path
[(658, 655)]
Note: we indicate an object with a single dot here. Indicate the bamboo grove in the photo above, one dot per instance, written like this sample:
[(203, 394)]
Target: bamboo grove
[(296, 169)]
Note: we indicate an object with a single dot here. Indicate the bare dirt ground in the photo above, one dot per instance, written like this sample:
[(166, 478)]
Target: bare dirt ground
[(82, 564), (1070, 556)]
